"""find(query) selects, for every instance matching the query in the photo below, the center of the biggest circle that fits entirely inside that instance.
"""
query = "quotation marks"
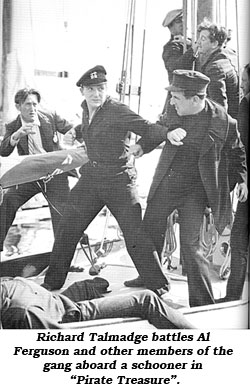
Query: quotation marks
(174, 377)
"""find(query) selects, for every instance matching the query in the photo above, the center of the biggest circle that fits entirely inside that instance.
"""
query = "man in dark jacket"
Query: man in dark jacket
(109, 178)
(26, 305)
(33, 132)
(192, 174)
(210, 56)
(174, 48)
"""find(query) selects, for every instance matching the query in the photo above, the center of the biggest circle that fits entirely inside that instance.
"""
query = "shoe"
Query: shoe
(137, 282)
(74, 268)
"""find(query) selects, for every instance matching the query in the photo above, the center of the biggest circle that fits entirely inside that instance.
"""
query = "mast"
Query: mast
(206, 9)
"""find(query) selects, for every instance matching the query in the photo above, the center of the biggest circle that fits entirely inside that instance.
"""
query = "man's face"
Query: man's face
(183, 105)
(95, 95)
(245, 85)
(204, 43)
(28, 109)
(177, 27)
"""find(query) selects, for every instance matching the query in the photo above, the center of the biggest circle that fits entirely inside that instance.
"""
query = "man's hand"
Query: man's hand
(176, 136)
(135, 150)
(22, 132)
(70, 137)
(242, 192)
(180, 38)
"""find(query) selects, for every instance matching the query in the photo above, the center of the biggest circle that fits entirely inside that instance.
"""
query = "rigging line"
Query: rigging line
(142, 56)
(225, 11)
(125, 45)
(132, 50)
(43, 191)
(237, 37)
(185, 24)
(193, 24)
(127, 51)
(194, 19)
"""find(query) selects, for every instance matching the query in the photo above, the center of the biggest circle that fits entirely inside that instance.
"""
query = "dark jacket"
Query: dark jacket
(107, 135)
(220, 145)
(171, 55)
(50, 124)
(224, 82)
(243, 120)
(243, 125)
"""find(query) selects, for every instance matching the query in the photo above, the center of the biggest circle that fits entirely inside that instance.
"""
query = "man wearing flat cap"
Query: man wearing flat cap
(192, 174)
(109, 178)
(174, 48)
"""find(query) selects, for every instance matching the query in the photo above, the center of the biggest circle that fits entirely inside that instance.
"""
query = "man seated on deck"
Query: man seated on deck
(25, 304)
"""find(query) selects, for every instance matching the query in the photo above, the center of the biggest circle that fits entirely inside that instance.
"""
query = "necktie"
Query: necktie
(31, 145)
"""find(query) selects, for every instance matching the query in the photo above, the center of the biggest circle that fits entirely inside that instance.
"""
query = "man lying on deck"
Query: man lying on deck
(25, 304)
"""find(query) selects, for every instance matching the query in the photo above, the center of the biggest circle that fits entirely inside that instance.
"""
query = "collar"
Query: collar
(211, 55)
(85, 106)
(36, 121)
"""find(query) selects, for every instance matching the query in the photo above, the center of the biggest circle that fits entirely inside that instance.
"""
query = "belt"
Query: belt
(98, 164)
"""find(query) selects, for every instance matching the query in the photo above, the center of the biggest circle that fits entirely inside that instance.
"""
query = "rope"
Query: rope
(170, 243)
(208, 234)
(142, 55)
(127, 42)
(131, 50)
(47, 198)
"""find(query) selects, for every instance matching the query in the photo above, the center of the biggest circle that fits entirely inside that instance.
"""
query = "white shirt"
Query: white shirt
(36, 137)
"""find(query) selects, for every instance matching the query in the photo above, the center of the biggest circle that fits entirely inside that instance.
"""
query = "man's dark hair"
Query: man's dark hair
(247, 68)
(216, 33)
(22, 95)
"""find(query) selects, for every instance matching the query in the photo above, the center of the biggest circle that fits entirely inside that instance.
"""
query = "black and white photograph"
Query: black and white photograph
(124, 227)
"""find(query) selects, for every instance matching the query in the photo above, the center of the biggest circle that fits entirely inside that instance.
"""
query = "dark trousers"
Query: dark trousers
(191, 201)
(239, 252)
(57, 191)
(87, 198)
(145, 304)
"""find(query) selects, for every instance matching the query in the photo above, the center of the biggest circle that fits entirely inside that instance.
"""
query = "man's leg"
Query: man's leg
(14, 198)
(144, 304)
(127, 210)
(196, 265)
(57, 191)
(239, 252)
(83, 205)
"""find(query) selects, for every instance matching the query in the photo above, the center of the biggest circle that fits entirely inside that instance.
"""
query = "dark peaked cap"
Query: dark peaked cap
(171, 16)
(93, 76)
(189, 80)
